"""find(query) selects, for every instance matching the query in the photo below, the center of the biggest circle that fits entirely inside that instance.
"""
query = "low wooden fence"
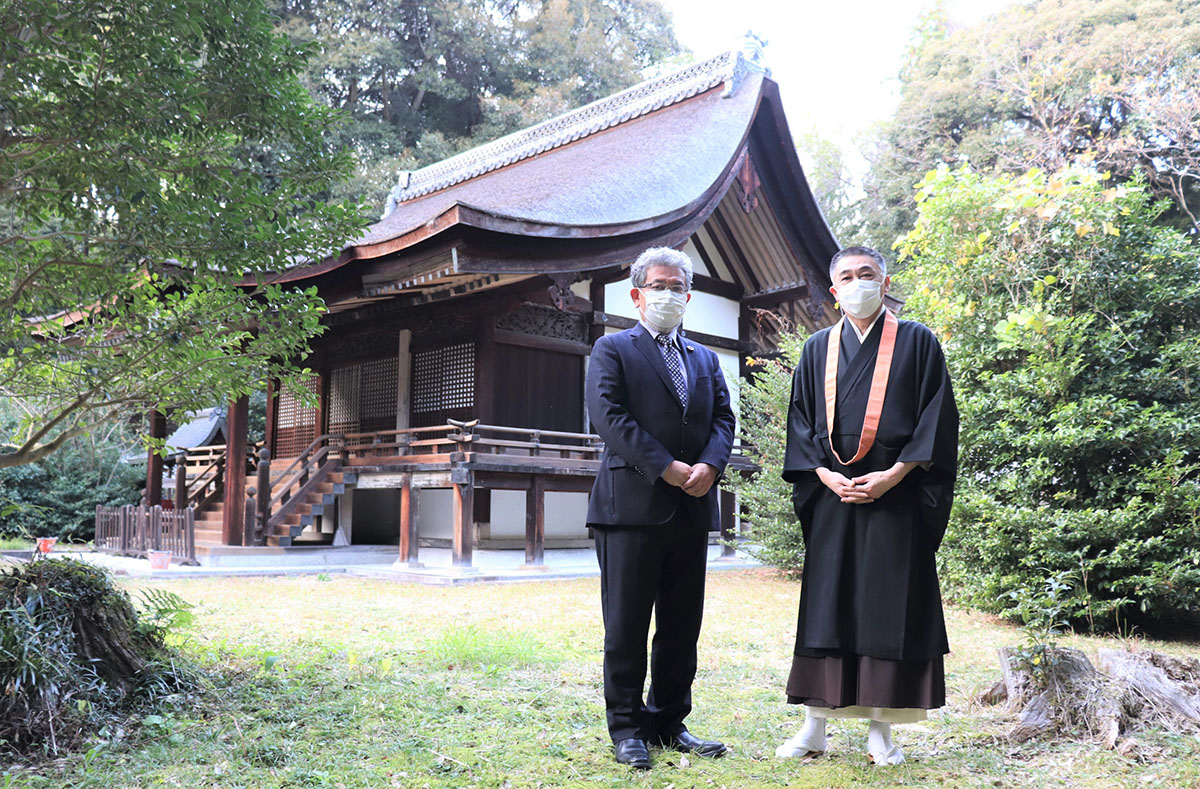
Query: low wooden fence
(133, 531)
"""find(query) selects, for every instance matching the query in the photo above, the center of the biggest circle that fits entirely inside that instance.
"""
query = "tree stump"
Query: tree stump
(1131, 691)
(1168, 687)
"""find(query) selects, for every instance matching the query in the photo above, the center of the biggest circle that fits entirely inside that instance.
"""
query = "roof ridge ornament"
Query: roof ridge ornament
(745, 58)
(729, 68)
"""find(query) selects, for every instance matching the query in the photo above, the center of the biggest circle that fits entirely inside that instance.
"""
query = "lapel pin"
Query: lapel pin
(690, 348)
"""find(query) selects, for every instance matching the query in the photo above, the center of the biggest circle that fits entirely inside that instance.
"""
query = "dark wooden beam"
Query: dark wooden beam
(541, 343)
(409, 538)
(535, 523)
(717, 287)
(272, 417)
(154, 461)
(320, 359)
(727, 503)
(736, 249)
(704, 255)
(234, 515)
(485, 369)
(772, 297)
(596, 331)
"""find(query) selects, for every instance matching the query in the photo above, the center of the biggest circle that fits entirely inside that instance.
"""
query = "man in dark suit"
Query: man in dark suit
(661, 405)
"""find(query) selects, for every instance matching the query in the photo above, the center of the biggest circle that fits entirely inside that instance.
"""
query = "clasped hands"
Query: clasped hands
(864, 489)
(695, 480)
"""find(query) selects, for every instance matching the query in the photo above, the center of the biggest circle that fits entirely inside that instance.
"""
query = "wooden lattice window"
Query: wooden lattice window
(443, 384)
(296, 423)
(362, 397)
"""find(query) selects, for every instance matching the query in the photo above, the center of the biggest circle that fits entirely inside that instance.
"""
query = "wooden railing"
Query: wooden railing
(134, 530)
(200, 475)
(426, 444)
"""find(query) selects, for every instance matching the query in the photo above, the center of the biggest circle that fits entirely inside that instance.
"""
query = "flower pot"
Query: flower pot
(159, 560)
(45, 544)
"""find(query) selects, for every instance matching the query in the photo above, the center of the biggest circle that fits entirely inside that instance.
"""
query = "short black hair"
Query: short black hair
(855, 252)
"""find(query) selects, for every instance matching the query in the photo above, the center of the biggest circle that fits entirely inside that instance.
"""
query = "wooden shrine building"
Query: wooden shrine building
(449, 389)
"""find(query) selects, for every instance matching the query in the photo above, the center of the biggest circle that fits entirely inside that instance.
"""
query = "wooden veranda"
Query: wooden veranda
(465, 457)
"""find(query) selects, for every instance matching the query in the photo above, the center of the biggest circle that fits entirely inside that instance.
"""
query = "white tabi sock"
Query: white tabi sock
(810, 739)
(880, 746)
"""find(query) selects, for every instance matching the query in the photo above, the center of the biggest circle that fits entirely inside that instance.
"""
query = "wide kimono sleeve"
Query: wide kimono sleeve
(934, 442)
(806, 431)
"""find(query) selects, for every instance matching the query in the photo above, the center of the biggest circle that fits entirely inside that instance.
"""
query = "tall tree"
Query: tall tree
(1042, 85)
(422, 81)
(153, 155)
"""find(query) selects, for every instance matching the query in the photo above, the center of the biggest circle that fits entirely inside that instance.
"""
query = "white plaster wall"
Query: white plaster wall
(583, 288)
(712, 315)
(435, 512)
(731, 366)
(698, 266)
(566, 514)
(617, 301)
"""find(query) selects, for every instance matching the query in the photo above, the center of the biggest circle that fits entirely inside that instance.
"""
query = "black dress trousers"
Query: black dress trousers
(643, 569)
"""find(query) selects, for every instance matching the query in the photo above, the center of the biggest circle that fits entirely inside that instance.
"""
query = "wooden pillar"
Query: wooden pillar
(404, 380)
(181, 483)
(263, 486)
(483, 514)
(596, 291)
(535, 524)
(233, 523)
(485, 370)
(464, 522)
(728, 507)
(272, 414)
(322, 414)
(409, 534)
(154, 461)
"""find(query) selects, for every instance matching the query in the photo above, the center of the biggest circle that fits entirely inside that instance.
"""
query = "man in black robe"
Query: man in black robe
(873, 494)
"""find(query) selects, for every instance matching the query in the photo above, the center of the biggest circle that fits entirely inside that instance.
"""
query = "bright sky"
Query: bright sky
(836, 61)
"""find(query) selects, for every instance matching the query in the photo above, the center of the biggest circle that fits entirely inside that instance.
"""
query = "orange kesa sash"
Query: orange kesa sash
(879, 381)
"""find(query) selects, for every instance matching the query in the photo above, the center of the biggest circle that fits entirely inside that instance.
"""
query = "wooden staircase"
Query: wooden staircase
(311, 505)
(299, 512)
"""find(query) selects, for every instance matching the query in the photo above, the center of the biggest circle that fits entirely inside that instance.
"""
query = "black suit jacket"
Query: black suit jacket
(635, 409)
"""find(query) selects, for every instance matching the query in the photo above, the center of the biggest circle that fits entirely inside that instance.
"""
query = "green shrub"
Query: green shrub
(1071, 325)
(765, 499)
(57, 496)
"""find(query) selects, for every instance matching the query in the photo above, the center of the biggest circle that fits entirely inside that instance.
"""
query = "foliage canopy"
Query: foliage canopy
(1071, 324)
(150, 155)
(419, 82)
(1046, 84)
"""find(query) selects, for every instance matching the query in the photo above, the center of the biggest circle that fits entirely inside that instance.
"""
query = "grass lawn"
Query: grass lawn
(344, 682)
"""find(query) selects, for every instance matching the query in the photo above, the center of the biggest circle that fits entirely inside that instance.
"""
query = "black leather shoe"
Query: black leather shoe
(689, 743)
(634, 753)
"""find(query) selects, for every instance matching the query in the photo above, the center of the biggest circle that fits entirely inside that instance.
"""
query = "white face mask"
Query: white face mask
(860, 298)
(664, 309)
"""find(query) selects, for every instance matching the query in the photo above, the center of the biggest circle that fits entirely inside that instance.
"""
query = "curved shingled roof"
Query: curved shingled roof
(641, 165)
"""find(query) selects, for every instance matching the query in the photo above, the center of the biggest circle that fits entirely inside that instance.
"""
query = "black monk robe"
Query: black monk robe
(870, 587)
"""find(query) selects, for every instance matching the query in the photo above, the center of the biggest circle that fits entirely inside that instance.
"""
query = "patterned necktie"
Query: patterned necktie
(674, 365)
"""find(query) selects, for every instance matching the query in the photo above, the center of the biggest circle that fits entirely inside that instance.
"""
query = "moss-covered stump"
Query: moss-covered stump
(72, 650)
